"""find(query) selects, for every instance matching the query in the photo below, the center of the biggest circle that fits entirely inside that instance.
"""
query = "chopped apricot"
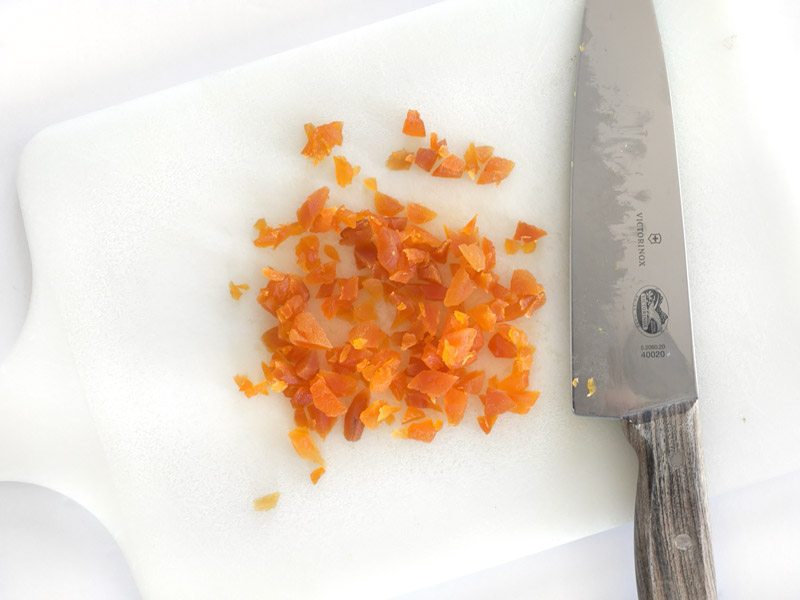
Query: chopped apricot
(319, 421)
(308, 365)
(348, 289)
(417, 399)
(455, 348)
(495, 170)
(307, 252)
(366, 335)
(248, 388)
(364, 311)
(471, 382)
(331, 252)
(430, 314)
(373, 287)
(321, 274)
(400, 160)
(425, 158)
(460, 288)
(324, 399)
(517, 381)
(342, 385)
(371, 184)
(307, 333)
(312, 207)
(386, 411)
(474, 157)
(512, 246)
(474, 256)
(236, 289)
(369, 416)
(432, 383)
(305, 446)
(487, 423)
(300, 417)
(398, 386)
(316, 474)
(489, 253)
(526, 232)
(386, 205)
(455, 404)
(415, 256)
(413, 125)
(422, 431)
(387, 242)
(501, 347)
(523, 401)
(419, 214)
(353, 426)
(523, 283)
(438, 145)
(412, 414)
(267, 502)
(321, 140)
(496, 402)
(452, 166)
(432, 358)
(380, 370)
(408, 340)
(344, 171)
(471, 161)
(484, 153)
(484, 316)
(272, 237)
(324, 221)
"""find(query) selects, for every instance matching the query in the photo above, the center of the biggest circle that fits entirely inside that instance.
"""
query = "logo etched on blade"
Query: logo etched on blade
(650, 311)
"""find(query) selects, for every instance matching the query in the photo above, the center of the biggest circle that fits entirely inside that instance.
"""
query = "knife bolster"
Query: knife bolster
(671, 532)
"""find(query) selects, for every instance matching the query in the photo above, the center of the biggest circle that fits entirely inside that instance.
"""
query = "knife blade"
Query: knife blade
(632, 349)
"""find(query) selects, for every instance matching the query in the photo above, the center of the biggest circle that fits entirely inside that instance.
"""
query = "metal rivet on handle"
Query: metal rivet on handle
(676, 460)
(683, 541)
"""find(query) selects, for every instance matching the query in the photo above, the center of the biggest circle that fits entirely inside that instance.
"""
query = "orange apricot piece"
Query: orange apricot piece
(413, 125)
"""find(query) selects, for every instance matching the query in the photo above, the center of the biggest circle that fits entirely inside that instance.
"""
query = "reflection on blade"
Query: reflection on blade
(631, 329)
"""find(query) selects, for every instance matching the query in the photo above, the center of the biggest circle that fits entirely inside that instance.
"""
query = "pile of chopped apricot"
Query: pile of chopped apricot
(478, 162)
(420, 309)
(447, 306)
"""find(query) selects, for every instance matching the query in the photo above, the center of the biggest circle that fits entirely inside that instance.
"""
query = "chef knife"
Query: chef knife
(632, 355)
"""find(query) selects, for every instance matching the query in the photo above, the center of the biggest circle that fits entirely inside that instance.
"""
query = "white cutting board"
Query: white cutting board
(119, 393)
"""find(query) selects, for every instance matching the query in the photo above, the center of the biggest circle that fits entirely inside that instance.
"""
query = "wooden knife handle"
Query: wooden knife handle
(673, 545)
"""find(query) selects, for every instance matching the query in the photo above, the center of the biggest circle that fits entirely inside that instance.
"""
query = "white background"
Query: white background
(63, 59)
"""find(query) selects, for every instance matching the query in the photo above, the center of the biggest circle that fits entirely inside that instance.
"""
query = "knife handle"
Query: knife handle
(672, 541)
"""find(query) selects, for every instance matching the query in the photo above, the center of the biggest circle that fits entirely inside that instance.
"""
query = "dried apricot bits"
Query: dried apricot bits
(475, 158)
(344, 171)
(237, 289)
(528, 233)
(419, 214)
(446, 304)
(452, 166)
(413, 125)
(304, 445)
(423, 431)
(478, 162)
(321, 140)
(267, 502)
(316, 474)
(495, 170)
(400, 160)
(525, 237)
